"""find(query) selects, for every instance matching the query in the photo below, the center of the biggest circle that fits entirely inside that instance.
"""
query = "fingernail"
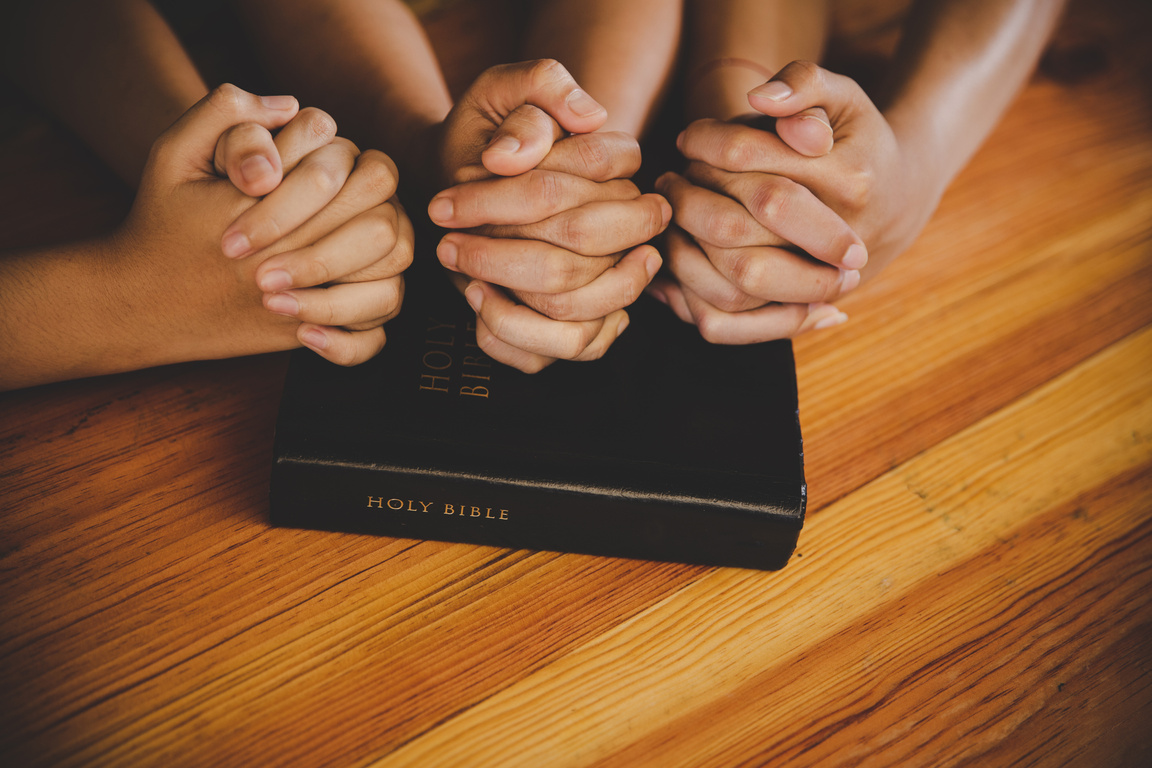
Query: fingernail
(441, 209)
(680, 140)
(475, 296)
(855, 257)
(849, 279)
(236, 245)
(275, 281)
(665, 212)
(278, 102)
(314, 338)
(838, 319)
(652, 264)
(620, 328)
(506, 144)
(828, 316)
(447, 253)
(256, 168)
(583, 104)
(657, 294)
(282, 304)
(818, 119)
(774, 91)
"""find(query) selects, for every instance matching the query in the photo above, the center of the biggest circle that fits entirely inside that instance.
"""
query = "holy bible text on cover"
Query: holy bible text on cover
(668, 448)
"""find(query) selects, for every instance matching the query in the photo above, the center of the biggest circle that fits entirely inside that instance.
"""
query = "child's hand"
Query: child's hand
(332, 221)
(554, 222)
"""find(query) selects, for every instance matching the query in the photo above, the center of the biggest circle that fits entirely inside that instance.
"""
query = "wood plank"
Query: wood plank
(1044, 243)
(1065, 441)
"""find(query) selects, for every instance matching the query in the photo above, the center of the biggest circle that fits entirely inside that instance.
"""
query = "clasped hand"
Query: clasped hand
(548, 230)
(775, 225)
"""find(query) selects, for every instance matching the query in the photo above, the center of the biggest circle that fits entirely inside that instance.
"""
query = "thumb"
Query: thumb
(808, 132)
(545, 84)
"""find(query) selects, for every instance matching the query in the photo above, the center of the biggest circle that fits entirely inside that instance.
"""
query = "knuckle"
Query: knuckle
(856, 185)
(736, 152)
(227, 98)
(317, 271)
(556, 306)
(711, 327)
(561, 277)
(546, 188)
(379, 171)
(770, 202)
(746, 270)
(319, 123)
(547, 71)
(325, 179)
(573, 235)
(573, 339)
(727, 228)
(594, 160)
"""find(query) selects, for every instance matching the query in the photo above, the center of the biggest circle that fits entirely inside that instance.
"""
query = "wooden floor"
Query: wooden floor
(973, 586)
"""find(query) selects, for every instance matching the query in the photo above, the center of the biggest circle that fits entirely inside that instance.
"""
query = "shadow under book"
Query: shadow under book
(668, 448)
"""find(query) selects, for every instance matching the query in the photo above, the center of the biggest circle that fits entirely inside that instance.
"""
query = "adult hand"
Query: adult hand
(551, 223)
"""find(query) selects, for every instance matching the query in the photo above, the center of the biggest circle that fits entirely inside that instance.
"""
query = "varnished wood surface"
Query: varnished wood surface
(972, 586)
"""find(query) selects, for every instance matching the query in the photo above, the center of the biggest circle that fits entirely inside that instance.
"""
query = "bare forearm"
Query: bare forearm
(59, 318)
(622, 53)
(738, 44)
(112, 71)
(368, 64)
(960, 64)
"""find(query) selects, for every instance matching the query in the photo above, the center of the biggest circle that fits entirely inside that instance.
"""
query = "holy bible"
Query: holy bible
(668, 448)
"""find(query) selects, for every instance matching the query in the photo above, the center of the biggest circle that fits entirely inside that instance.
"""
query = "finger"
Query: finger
(766, 323)
(311, 129)
(802, 85)
(692, 268)
(807, 132)
(189, 146)
(524, 328)
(545, 84)
(368, 240)
(595, 156)
(521, 141)
(313, 184)
(616, 288)
(790, 211)
(502, 352)
(740, 148)
(713, 217)
(596, 229)
(373, 183)
(246, 154)
(670, 292)
(520, 265)
(355, 306)
(522, 199)
(340, 346)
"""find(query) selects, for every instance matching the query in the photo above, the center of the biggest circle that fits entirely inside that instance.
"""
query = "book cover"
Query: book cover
(668, 448)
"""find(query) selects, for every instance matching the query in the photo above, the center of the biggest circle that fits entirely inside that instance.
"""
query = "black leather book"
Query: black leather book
(668, 448)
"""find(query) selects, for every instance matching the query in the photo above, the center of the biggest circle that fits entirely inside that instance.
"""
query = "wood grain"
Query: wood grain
(972, 587)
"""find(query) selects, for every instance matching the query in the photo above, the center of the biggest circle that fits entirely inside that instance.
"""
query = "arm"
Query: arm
(623, 53)
(112, 71)
(370, 64)
(738, 44)
(959, 67)
(159, 291)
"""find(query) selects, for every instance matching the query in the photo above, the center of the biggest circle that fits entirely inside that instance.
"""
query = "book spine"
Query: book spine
(406, 504)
